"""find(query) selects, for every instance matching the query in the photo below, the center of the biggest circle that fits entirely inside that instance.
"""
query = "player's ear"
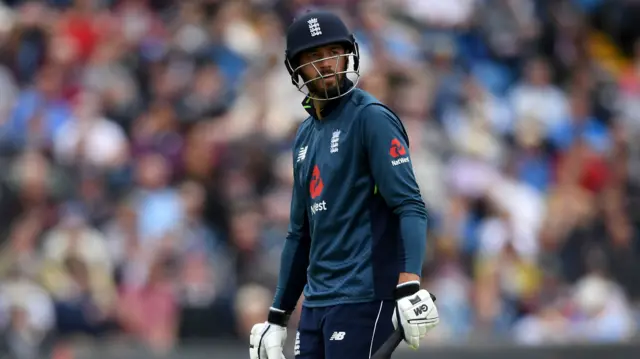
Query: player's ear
(355, 50)
(345, 57)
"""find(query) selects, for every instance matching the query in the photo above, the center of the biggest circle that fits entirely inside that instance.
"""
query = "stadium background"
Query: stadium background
(145, 170)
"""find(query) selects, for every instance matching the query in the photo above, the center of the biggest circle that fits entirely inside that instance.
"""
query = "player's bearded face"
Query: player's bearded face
(323, 67)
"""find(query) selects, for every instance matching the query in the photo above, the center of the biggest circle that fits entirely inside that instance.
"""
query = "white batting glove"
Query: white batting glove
(267, 339)
(415, 311)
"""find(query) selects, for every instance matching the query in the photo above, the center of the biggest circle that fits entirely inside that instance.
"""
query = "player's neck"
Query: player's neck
(318, 105)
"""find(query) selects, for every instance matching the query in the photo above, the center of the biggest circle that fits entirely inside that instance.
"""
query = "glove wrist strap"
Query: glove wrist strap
(278, 317)
(406, 289)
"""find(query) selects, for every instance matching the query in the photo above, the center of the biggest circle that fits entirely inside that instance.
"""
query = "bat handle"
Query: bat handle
(389, 345)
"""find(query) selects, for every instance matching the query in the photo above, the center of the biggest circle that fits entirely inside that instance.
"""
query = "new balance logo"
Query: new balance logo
(314, 27)
(421, 309)
(302, 154)
(337, 336)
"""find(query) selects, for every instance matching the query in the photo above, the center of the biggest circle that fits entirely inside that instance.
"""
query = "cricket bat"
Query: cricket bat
(389, 346)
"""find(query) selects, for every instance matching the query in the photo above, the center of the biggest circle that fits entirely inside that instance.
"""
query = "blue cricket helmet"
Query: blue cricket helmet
(315, 29)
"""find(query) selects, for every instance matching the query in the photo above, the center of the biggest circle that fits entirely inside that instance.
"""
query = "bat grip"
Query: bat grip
(389, 345)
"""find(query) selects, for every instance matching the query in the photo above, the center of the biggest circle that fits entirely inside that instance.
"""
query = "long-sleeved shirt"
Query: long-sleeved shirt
(357, 217)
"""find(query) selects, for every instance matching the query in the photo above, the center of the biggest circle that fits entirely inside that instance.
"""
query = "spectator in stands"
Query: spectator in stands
(149, 312)
(27, 315)
(78, 272)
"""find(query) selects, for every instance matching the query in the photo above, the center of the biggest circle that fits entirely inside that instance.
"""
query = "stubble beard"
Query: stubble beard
(317, 89)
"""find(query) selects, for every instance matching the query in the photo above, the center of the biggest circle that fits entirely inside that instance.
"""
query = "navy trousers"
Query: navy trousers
(347, 331)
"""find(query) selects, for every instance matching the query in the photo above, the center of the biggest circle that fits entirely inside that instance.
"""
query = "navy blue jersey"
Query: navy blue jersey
(357, 217)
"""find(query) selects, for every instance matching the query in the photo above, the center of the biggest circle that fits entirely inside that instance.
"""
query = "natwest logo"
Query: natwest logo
(318, 207)
(315, 189)
(316, 186)
(400, 161)
(398, 150)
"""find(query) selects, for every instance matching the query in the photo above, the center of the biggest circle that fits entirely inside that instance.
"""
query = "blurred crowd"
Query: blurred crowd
(145, 148)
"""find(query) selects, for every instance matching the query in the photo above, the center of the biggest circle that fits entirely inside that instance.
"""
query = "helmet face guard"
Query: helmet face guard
(346, 68)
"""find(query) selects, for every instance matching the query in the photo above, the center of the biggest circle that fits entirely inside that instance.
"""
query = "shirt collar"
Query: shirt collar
(307, 103)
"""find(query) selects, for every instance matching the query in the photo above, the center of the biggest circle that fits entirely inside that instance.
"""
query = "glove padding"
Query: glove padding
(267, 341)
(415, 311)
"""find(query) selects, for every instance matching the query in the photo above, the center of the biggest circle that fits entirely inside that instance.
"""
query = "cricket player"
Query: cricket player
(358, 226)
